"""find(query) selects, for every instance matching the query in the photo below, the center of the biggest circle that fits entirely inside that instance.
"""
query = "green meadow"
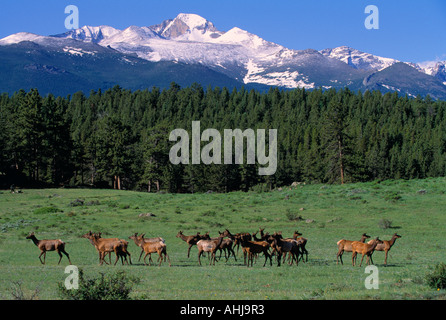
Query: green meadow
(324, 214)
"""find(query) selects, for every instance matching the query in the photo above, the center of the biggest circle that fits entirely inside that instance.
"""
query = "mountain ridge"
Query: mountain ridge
(244, 57)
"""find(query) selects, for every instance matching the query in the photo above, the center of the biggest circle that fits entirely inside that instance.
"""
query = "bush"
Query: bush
(437, 278)
(107, 287)
(293, 216)
(385, 224)
(77, 203)
(393, 197)
(47, 210)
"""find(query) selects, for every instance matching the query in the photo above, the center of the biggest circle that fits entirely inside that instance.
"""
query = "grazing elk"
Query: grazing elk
(251, 248)
(366, 249)
(106, 246)
(237, 237)
(226, 246)
(190, 240)
(346, 245)
(49, 245)
(284, 246)
(152, 247)
(386, 245)
(156, 239)
(303, 242)
(209, 246)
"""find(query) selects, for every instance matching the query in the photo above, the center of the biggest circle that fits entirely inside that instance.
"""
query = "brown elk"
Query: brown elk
(152, 247)
(386, 245)
(156, 239)
(251, 248)
(226, 246)
(49, 245)
(237, 237)
(346, 246)
(209, 246)
(122, 251)
(303, 242)
(284, 246)
(105, 246)
(366, 249)
(190, 240)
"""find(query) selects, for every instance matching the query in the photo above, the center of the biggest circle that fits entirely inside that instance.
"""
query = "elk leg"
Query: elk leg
(160, 258)
(145, 263)
(338, 256)
(60, 256)
(361, 260)
(41, 253)
(128, 254)
(66, 253)
(188, 250)
(117, 257)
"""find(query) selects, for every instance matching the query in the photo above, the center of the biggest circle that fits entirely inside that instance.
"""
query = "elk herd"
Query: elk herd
(284, 250)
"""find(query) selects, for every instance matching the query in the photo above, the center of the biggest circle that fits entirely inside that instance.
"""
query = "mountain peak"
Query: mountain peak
(187, 26)
(358, 59)
(19, 37)
(192, 20)
(89, 33)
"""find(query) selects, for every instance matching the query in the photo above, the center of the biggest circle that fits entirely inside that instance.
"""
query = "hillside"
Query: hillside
(330, 213)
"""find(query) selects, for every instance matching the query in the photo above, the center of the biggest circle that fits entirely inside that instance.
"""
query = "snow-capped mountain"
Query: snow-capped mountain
(358, 59)
(188, 38)
(436, 69)
(237, 54)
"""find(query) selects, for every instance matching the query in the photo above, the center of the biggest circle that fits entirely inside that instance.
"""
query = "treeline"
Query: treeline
(120, 139)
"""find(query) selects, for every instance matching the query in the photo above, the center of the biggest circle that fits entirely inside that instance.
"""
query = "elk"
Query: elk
(237, 237)
(122, 251)
(152, 247)
(366, 249)
(284, 246)
(303, 243)
(104, 246)
(190, 240)
(156, 239)
(346, 245)
(209, 246)
(49, 245)
(386, 245)
(89, 236)
(251, 248)
(226, 246)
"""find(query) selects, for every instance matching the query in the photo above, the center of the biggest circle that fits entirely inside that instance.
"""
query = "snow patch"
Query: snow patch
(77, 51)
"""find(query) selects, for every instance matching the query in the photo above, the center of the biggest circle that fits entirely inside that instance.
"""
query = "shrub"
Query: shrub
(385, 224)
(437, 278)
(117, 286)
(47, 210)
(77, 203)
(293, 216)
(393, 197)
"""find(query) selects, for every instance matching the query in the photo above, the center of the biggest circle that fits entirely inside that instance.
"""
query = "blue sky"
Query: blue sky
(409, 30)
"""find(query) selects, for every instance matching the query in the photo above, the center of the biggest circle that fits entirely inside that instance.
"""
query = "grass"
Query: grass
(322, 213)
